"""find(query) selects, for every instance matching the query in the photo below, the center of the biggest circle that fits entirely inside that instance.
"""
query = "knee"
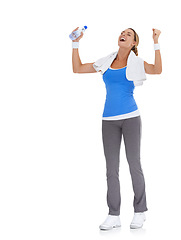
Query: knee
(136, 169)
(112, 174)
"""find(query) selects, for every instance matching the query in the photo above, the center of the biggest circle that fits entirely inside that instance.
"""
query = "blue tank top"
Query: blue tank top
(119, 96)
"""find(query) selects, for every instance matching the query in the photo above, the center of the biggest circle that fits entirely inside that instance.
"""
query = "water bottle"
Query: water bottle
(74, 35)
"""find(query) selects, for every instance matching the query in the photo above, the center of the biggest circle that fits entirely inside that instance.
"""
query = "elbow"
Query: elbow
(75, 71)
(158, 71)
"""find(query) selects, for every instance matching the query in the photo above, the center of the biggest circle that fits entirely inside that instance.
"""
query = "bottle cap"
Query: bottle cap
(85, 27)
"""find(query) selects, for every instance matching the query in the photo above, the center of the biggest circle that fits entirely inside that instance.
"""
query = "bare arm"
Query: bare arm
(77, 65)
(155, 68)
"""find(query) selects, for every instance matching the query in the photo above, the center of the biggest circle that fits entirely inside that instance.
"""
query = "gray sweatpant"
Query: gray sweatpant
(112, 131)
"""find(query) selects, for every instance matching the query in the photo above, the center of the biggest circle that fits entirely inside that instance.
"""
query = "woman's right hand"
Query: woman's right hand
(77, 40)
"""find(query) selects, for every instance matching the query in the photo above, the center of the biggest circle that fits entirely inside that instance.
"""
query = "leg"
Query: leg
(111, 136)
(132, 139)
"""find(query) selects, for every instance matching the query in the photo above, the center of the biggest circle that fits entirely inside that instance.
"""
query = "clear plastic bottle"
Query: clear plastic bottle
(74, 35)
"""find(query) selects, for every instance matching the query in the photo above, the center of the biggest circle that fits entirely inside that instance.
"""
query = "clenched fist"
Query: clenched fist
(156, 34)
(77, 39)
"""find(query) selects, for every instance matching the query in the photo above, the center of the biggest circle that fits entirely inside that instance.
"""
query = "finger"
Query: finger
(78, 38)
(75, 29)
(81, 35)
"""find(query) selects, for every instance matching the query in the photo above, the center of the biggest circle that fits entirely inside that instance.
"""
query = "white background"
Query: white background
(52, 166)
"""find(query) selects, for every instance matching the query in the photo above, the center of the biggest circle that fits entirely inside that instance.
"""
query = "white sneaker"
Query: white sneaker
(138, 220)
(110, 223)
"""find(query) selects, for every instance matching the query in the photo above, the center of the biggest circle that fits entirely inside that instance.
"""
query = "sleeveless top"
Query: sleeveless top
(119, 103)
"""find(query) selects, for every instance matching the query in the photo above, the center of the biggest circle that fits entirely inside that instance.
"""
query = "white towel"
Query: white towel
(135, 67)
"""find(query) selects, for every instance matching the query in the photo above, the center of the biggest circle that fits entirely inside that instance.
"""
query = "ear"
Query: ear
(134, 43)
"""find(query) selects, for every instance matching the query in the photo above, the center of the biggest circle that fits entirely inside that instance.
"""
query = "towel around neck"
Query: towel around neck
(135, 67)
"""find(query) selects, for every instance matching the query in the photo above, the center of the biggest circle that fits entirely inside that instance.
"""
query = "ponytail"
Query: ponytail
(136, 39)
(135, 50)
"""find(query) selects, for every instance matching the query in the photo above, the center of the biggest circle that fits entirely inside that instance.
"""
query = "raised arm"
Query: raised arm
(155, 68)
(77, 65)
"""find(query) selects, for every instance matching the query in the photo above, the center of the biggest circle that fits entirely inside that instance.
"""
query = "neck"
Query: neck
(122, 54)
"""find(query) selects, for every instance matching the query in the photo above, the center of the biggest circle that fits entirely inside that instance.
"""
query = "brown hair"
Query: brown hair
(136, 39)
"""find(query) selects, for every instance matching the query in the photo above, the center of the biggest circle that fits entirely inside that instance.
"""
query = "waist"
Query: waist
(114, 106)
(123, 116)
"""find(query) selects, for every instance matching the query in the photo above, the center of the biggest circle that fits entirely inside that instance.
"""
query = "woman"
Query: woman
(121, 72)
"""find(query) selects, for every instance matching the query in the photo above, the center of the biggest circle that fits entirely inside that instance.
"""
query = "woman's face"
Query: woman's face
(126, 39)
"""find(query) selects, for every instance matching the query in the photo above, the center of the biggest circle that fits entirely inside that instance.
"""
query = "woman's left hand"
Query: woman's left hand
(156, 34)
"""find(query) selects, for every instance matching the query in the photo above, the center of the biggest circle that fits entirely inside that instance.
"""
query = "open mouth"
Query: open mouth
(122, 39)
